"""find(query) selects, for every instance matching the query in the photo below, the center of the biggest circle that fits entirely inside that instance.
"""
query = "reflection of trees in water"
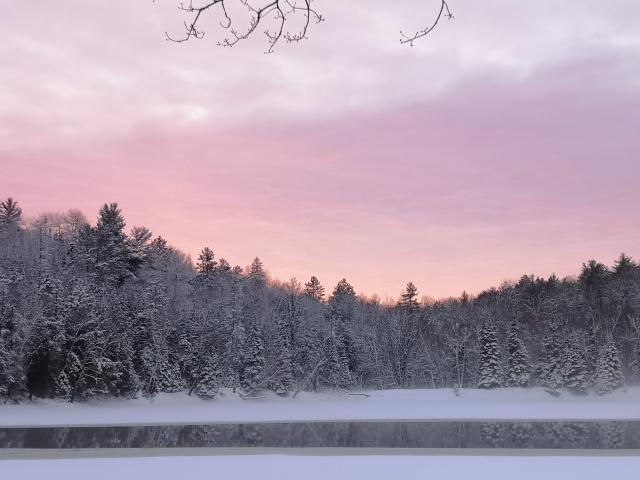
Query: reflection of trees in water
(520, 435)
(492, 434)
(611, 434)
(339, 434)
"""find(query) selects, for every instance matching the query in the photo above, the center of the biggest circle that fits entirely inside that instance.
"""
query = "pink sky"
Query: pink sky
(506, 143)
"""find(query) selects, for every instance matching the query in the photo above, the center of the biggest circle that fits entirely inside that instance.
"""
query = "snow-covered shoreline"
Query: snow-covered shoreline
(385, 405)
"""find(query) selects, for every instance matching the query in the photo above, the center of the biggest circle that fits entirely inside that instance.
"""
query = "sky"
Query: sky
(505, 143)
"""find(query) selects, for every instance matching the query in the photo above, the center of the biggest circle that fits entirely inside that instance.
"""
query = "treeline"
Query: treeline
(91, 311)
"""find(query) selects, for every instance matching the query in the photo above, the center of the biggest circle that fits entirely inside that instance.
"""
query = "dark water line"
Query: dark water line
(364, 435)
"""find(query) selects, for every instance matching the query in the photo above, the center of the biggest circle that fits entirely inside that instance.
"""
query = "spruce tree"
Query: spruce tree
(491, 375)
(251, 375)
(518, 366)
(608, 370)
(574, 368)
(208, 379)
(314, 289)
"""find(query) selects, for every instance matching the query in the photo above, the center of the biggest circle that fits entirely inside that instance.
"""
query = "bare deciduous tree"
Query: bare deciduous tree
(287, 20)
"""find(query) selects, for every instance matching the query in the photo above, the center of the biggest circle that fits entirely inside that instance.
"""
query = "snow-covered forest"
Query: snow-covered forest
(97, 309)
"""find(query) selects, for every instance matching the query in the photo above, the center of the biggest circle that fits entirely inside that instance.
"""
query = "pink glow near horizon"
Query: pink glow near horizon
(505, 144)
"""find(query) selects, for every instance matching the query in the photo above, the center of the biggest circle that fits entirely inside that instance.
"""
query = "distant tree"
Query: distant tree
(252, 372)
(112, 251)
(409, 298)
(574, 368)
(491, 375)
(314, 289)
(10, 214)
(608, 370)
(208, 383)
(518, 366)
(206, 263)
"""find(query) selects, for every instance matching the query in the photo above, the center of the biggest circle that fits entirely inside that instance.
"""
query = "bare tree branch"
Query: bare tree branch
(281, 13)
(410, 39)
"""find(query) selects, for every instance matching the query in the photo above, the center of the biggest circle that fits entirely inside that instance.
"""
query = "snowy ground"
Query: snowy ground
(280, 467)
(525, 404)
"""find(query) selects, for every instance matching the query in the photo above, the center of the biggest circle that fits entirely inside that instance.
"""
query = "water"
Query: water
(445, 434)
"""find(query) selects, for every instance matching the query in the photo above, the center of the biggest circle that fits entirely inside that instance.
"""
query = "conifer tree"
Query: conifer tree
(251, 375)
(112, 251)
(206, 263)
(208, 379)
(608, 370)
(550, 370)
(314, 289)
(491, 375)
(574, 368)
(10, 213)
(282, 381)
(518, 367)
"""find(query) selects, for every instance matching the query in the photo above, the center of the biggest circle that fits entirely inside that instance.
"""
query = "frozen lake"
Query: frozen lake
(389, 434)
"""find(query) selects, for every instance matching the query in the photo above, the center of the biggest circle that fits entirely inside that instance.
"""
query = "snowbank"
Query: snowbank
(524, 404)
(321, 468)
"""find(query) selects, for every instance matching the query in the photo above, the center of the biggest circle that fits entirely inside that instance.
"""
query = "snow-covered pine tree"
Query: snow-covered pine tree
(282, 380)
(251, 374)
(574, 366)
(491, 375)
(518, 366)
(550, 369)
(113, 255)
(608, 370)
(209, 379)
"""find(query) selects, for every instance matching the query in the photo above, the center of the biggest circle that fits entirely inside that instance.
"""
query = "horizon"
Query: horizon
(503, 145)
(385, 299)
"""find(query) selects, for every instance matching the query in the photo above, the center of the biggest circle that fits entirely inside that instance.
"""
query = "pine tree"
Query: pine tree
(251, 375)
(609, 369)
(409, 298)
(209, 379)
(206, 263)
(282, 381)
(574, 367)
(491, 375)
(550, 370)
(518, 367)
(314, 289)
(112, 250)
(10, 213)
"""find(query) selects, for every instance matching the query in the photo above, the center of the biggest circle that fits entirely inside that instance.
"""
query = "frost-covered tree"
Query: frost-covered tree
(208, 383)
(252, 368)
(518, 366)
(608, 370)
(490, 371)
(574, 368)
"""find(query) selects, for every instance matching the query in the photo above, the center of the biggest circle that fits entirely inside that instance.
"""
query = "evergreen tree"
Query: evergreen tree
(112, 251)
(609, 369)
(550, 370)
(10, 214)
(208, 379)
(574, 368)
(409, 298)
(491, 375)
(282, 381)
(314, 289)
(518, 367)
(251, 375)
(206, 263)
